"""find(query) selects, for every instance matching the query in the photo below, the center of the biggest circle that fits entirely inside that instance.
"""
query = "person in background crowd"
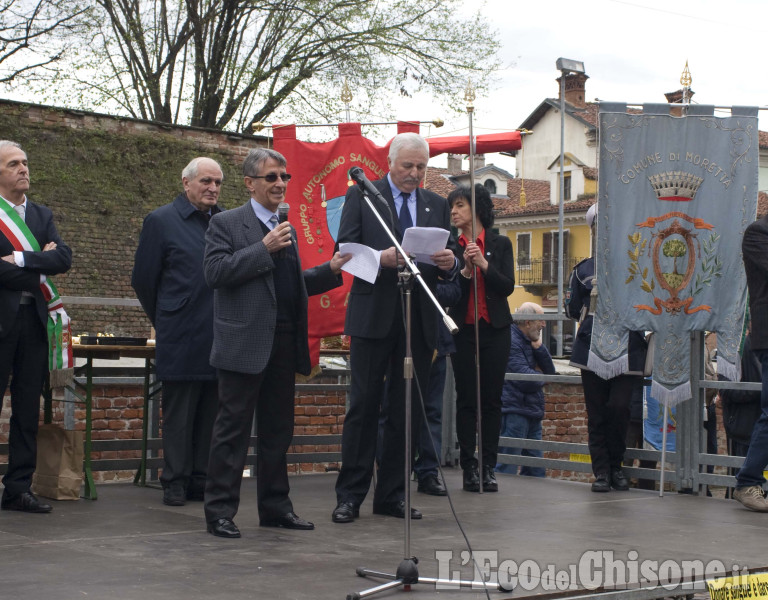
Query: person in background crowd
(168, 281)
(607, 400)
(522, 402)
(489, 257)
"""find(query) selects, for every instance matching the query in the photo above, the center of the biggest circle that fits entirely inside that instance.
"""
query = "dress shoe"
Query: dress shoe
(396, 509)
(288, 521)
(601, 483)
(471, 479)
(25, 502)
(224, 527)
(619, 480)
(345, 512)
(432, 485)
(174, 495)
(489, 479)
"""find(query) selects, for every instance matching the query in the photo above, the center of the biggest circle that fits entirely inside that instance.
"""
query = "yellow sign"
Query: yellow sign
(585, 458)
(742, 587)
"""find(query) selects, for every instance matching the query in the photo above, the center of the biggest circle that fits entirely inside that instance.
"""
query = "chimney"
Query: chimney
(575, 84)
(454, 164)
(479, 161)
(677, 97)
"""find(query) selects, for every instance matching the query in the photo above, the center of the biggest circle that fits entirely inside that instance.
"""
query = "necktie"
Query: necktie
(273, 222)
(405, 214)
(20, 209)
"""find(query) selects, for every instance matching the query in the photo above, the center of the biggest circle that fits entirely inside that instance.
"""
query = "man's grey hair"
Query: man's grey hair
(190, 171)
(256, 159)
(527, 309)
(9, 143)
(411, 141)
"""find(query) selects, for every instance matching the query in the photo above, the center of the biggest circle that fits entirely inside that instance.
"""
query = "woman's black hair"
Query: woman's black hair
(483, 202)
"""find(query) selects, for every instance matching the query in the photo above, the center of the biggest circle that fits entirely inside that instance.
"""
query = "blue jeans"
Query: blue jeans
(520, 426)
(751, 473)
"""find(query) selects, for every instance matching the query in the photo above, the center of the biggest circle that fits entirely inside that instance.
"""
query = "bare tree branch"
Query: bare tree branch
(225, 63)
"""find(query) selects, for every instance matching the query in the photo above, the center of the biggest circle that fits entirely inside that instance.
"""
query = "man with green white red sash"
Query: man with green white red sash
(34, 329)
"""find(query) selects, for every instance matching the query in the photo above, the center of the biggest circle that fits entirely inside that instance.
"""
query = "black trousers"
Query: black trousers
(635, 439)
(494, 353)
(607, 402)
(189, 410)
(270, 395)
(23, 355)
(372, 360)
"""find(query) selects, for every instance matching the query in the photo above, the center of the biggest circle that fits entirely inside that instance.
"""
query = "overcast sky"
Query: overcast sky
(633, 51)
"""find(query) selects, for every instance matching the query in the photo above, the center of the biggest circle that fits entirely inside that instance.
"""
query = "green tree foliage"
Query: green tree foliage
(227, 64)
(28, 29)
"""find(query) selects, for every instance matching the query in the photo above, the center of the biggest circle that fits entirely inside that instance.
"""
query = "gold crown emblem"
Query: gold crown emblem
(675, 185)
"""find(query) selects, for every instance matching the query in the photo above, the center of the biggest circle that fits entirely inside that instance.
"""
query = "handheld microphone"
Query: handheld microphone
(358, 176)
(282, 212)
(282, 217)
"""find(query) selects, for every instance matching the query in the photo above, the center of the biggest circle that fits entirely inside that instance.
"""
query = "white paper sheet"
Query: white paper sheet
(423, 242)
(364, 262)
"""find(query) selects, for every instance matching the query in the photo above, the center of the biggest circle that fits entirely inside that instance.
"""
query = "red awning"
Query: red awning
(484, 144)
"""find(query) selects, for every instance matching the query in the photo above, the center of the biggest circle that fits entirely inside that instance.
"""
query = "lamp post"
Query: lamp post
(565, 66)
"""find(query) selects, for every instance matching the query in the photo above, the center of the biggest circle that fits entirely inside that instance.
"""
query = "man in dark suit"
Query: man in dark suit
(30, 247)
(259, 344)
(169, 283)
(754, 250)
(375, 323)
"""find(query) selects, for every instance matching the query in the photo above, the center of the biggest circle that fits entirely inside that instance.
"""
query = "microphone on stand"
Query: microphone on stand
(282, 217)
(358, 176)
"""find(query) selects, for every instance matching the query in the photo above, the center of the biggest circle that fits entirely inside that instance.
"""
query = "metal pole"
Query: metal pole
(470, 95)
(560, 219)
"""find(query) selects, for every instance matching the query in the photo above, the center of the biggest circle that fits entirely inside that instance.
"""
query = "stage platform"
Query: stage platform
(128, 546)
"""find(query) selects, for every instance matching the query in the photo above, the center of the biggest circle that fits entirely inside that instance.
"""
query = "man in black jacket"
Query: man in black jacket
(754, 250)
(169, 283)
(30, 248)
(375, 323)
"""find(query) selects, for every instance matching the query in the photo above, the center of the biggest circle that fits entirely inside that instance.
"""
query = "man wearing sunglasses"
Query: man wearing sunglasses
(259, 343)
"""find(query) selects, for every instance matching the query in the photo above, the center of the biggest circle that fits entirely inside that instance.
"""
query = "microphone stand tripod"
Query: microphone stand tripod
(407, 573)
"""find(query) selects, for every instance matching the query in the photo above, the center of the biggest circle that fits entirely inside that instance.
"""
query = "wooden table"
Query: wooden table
(107, 352)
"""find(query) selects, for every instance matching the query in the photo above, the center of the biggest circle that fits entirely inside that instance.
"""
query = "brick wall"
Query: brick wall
(101, 176)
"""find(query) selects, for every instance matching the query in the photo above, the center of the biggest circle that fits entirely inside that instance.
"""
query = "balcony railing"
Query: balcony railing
(541, 271)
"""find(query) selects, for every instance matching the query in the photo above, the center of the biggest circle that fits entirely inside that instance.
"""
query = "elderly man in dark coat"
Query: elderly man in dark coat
(169, 283)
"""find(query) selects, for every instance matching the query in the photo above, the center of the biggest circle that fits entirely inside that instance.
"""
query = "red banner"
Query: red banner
(316, 196)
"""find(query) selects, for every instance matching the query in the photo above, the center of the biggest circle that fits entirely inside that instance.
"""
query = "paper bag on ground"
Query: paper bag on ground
(59, 472)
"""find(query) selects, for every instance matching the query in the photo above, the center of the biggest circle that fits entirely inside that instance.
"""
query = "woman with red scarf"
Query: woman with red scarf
(489, 258)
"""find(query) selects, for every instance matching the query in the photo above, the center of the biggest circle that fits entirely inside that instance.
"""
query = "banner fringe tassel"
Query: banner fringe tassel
(671, 396)
(608, 369)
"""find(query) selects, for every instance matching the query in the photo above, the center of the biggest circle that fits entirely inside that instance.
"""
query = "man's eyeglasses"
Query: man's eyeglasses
(272, 177)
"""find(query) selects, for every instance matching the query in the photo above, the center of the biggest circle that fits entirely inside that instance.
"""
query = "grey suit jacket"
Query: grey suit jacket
(239, 269)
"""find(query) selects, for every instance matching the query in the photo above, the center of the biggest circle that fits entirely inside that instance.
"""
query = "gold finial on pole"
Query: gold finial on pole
(685, 78)
(438, 122)
(258, 126)
(346, 97)
(469, 96)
